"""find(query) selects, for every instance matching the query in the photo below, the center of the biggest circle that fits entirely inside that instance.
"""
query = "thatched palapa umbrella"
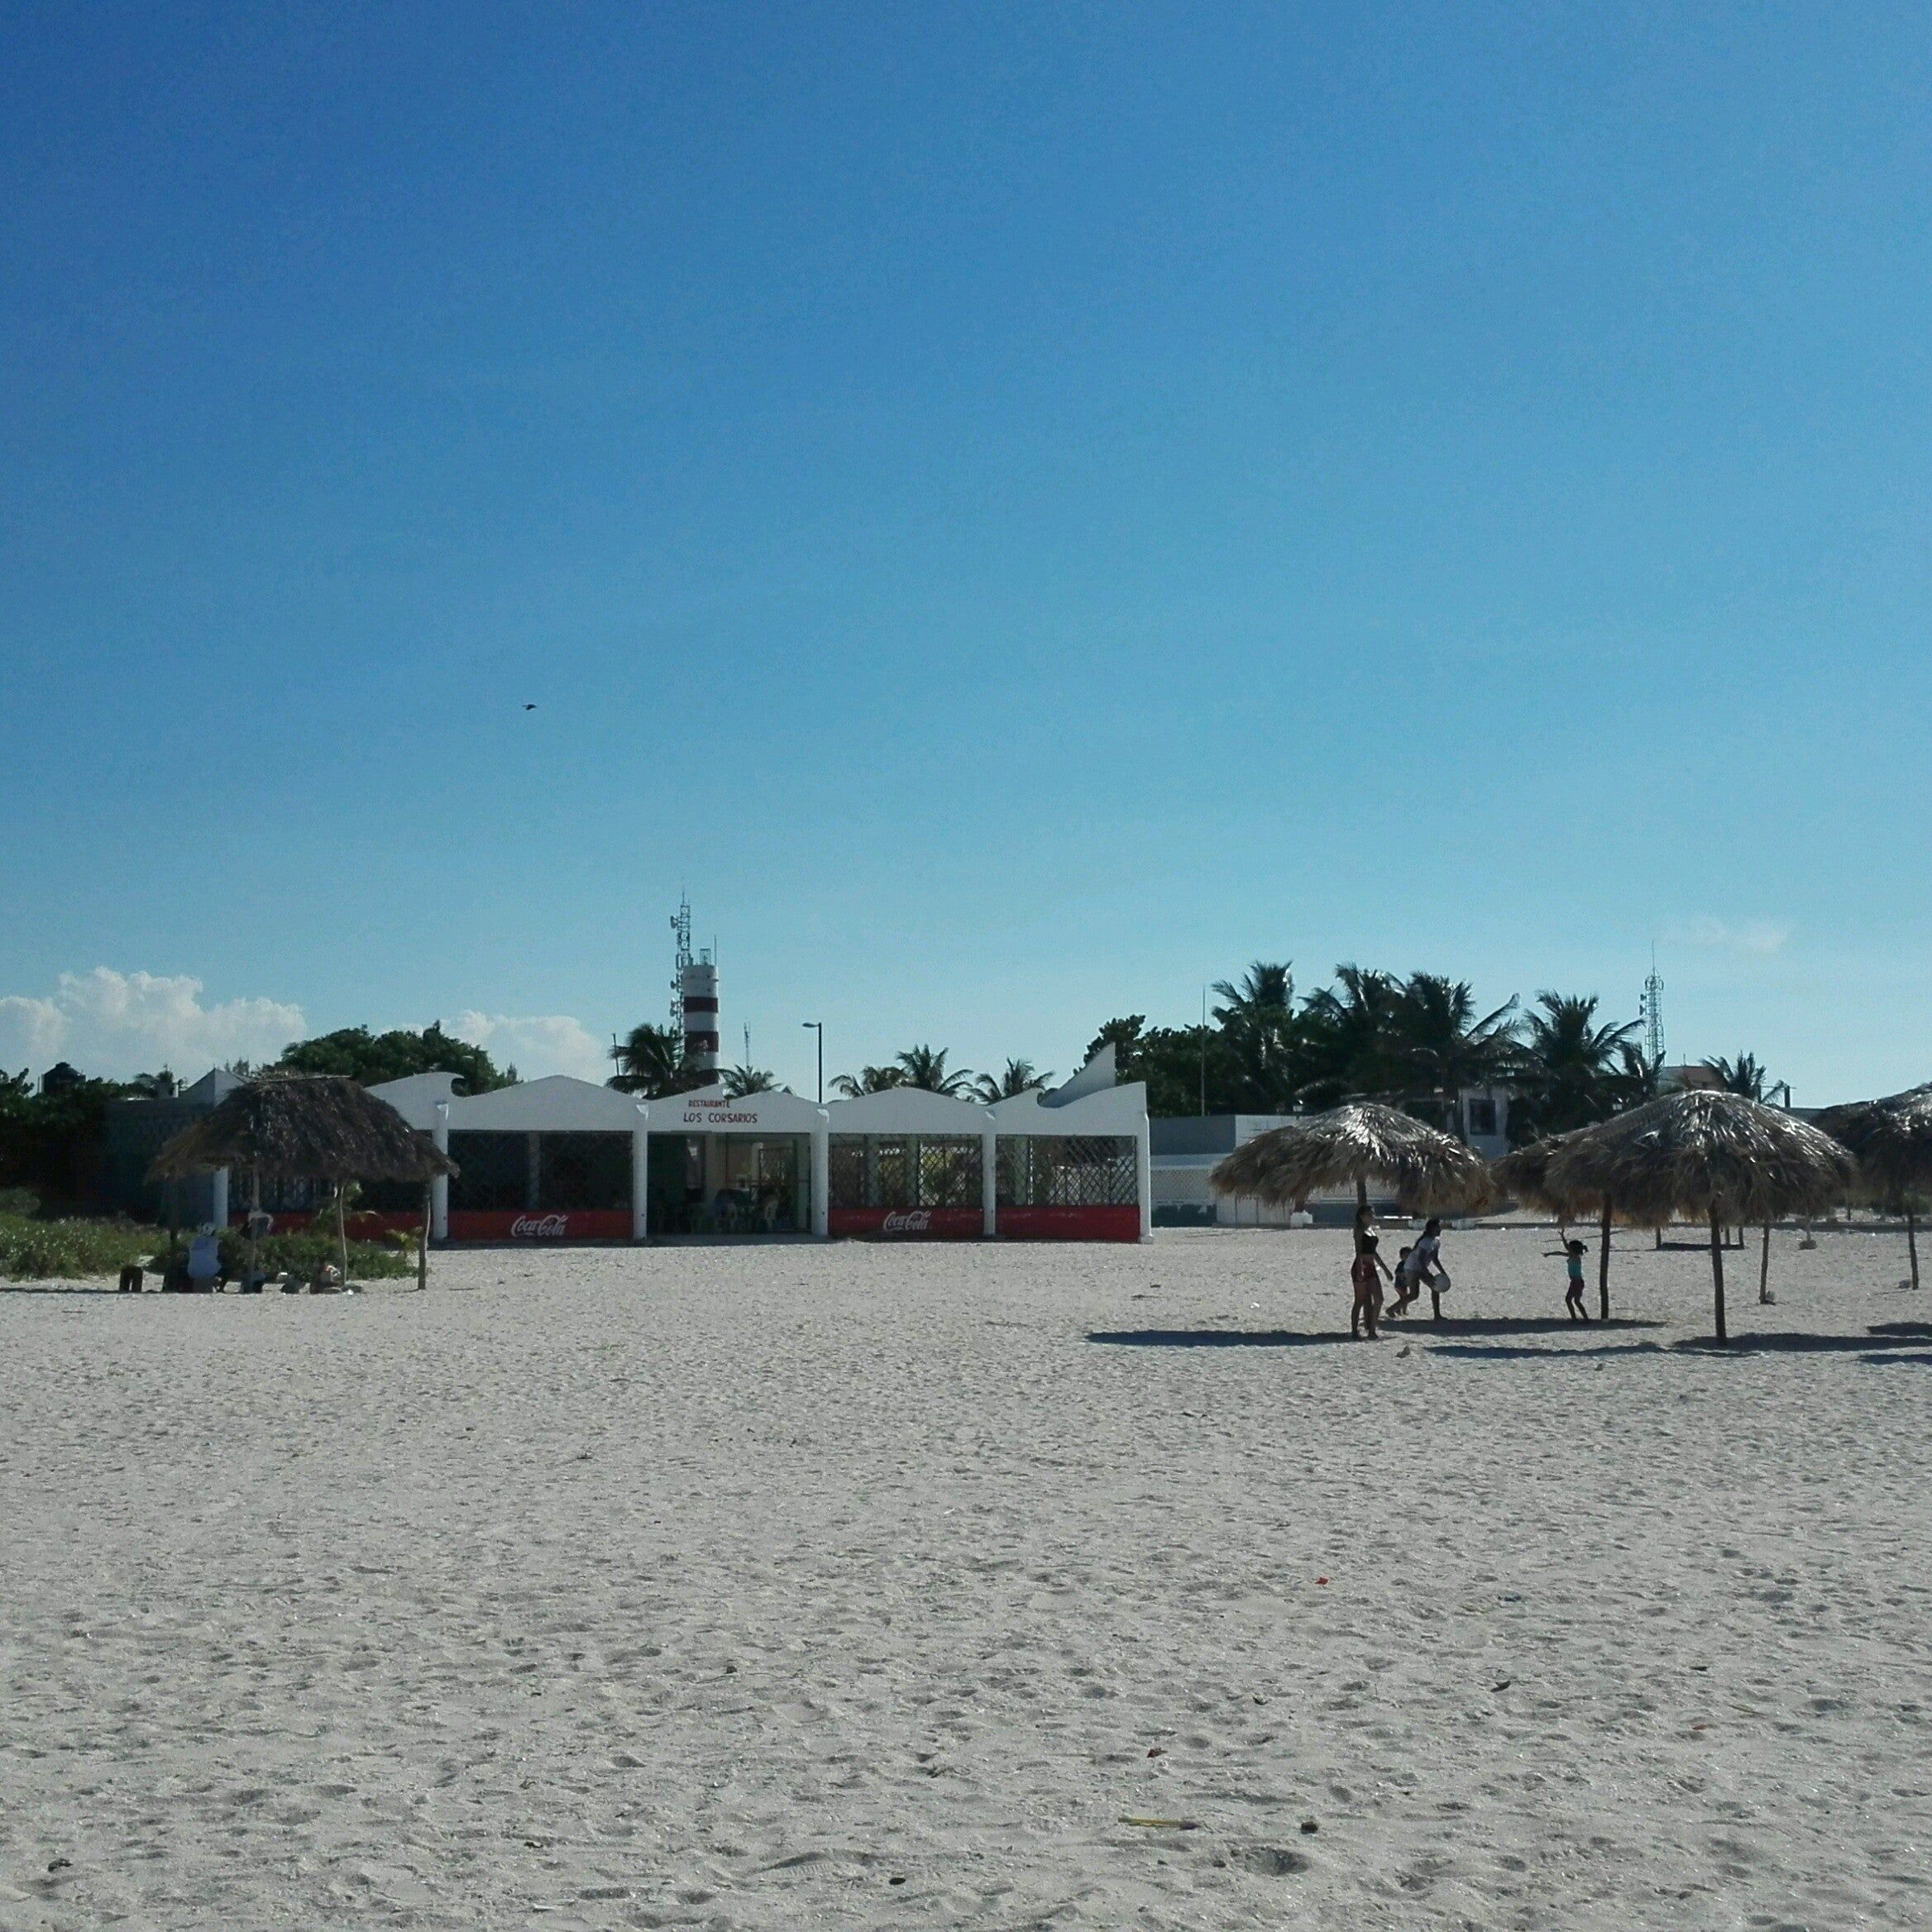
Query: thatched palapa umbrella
(1891, 1141)
(1707, 1156)
(1361, 1141)
(309, 1127)
(1523, 1173)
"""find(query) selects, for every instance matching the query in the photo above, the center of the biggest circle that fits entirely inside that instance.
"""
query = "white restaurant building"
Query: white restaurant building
(566, 1159)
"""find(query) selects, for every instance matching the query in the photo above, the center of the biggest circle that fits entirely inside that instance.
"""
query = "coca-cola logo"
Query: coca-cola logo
(527, 1227)
(907, 1220)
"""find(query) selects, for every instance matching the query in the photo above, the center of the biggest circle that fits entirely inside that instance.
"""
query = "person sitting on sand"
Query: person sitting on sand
(1426, 1259)
(204, 1260)
(1573, 1252)
(1365, 1274)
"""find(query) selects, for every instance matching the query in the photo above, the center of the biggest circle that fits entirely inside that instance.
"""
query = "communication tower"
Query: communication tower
(681, 927)
(1652, 1010)
(694, 998)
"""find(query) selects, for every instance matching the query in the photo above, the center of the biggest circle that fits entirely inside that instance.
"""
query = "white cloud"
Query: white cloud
(535, 1043)
(1761, 936)
(116, 1025)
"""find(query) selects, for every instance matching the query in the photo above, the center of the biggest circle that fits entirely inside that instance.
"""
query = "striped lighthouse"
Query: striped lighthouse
(697, 987)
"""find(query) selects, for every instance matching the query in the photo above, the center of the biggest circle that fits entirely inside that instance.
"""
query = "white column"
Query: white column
(640, 1175)
(989, 1180)
(1144, 1175)
(218, 1214)
(439, 1187)
(822, 1176)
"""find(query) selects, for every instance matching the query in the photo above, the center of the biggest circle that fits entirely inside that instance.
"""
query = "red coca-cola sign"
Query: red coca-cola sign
(908, 1224)
(574, 1224)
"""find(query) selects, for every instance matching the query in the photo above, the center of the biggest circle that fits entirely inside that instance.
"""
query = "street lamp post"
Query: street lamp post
(818, 1026)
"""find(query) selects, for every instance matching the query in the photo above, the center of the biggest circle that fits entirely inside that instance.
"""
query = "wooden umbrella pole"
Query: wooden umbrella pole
(1717, 1271)
(1603, 1268)
(422, 1241)
(341, 1236)
(1912, 1242)
(1764, 1267)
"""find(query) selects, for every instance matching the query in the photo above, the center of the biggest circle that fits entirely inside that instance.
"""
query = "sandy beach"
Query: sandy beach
(991, 1587)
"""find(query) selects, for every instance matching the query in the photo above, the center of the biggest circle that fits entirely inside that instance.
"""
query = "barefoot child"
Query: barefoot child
(1366, 1275)
(1573, 1252)
(1406, 1287)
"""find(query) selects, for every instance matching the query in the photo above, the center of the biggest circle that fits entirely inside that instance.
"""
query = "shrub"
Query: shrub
(84, 1250)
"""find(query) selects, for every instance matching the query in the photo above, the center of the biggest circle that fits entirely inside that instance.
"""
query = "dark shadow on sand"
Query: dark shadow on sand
(1867, 1347)
(1425, 1331)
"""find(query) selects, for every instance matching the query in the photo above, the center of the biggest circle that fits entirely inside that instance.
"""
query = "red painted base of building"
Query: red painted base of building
(1069, 1224)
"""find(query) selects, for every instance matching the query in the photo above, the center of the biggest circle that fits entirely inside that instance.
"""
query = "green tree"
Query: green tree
(650, 1061)
(1020, 1077)
(1264, 1035)
(1638, 1077)
(1179, 1064)
(50, 1140)
(373, 1058)
(925, 1067)
(740, 1083)
(868, 1080)
(1745, 1075)
(1568, 1069)
(1348, 1036)
(1439, 1044)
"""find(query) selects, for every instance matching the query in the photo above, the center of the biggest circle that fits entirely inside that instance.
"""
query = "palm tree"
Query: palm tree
(1745, 1075)
(1346, 1036)
(1637, 1077)
(1568, 1069)
(925, 1067)
(1440, 1046)
(742, 1082)
(1258, 1020)
(650, 1061)
(868, 1080)
(1021, 1076)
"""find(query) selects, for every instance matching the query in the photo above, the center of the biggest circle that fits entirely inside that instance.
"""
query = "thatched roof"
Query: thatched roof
(1523, 1175)
(1362, 1141)
(303, 1126)
(1702, 1153)
(1891, 1139)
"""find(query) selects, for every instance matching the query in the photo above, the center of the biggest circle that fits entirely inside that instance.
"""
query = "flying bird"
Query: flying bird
(529, 707)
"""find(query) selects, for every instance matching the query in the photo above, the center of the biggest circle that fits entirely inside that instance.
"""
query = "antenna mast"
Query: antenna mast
(681, 926)
(1651, 1011)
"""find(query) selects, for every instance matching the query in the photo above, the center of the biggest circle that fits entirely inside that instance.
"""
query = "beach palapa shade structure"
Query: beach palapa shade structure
(1524, 1174)
(1891, 1141)
(1704, 1156)
(1360, 1141)
(309, 1127)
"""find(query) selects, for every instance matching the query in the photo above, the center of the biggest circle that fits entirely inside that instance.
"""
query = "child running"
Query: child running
(1573, 1252)
(1406, 1287)
(1366, 1274)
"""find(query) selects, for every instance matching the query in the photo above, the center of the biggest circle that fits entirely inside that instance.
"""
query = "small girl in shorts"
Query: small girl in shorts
(1573, 1253)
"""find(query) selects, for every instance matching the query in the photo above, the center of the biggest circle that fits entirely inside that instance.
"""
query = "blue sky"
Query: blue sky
(1019, 512)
